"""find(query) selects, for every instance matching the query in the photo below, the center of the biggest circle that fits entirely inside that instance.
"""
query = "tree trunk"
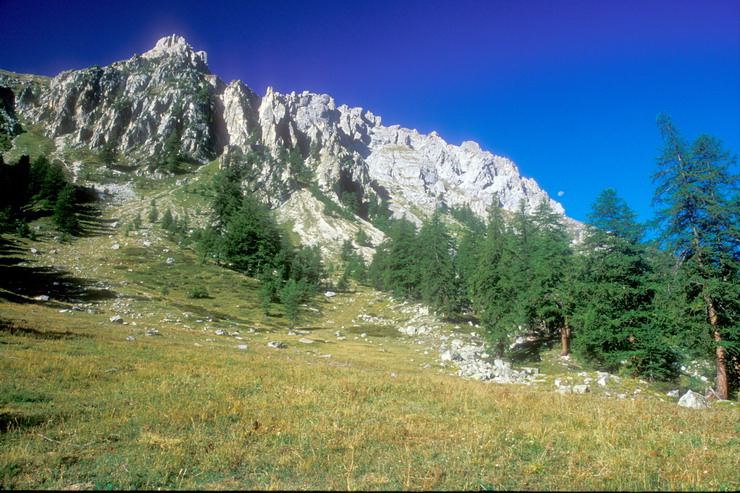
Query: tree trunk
(565, 338)
(723, 390)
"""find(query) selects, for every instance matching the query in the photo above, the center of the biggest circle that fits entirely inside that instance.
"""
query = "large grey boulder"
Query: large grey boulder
(693, 400)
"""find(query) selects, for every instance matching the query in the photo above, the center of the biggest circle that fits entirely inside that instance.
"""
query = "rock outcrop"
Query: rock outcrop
(133, 106)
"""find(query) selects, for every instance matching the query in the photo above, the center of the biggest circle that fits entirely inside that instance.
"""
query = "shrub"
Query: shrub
(198, 293)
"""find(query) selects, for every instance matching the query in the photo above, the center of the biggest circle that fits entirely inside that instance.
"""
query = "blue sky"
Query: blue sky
(569, 90)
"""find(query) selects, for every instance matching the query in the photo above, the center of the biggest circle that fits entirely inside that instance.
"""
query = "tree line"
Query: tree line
(615, 298)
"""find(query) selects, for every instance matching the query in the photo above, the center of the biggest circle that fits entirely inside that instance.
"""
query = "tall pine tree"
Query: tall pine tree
(697, 192)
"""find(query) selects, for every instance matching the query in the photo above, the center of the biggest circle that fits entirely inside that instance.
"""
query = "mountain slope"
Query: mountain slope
(133, 106)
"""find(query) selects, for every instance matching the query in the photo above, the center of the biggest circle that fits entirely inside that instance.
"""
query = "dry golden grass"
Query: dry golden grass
(162, 412)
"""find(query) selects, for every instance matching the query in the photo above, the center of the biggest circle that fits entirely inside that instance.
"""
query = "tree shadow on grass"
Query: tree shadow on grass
(21, 282)
(530, 350)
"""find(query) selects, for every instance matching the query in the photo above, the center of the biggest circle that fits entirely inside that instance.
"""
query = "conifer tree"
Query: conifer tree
(64, 210)
(251, 240)
(697, 191)
(436, 272)
(615, 313)
(552, 261)
(492, 286)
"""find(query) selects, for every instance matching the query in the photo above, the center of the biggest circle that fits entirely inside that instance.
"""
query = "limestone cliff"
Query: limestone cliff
(133, 106)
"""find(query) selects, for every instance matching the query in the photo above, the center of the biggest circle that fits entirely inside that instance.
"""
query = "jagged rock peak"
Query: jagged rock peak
(176, 46)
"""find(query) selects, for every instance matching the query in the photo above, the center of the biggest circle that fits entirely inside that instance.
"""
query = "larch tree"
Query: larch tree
(551, 263)
(435, 265)
(615, 315)
(697, 192)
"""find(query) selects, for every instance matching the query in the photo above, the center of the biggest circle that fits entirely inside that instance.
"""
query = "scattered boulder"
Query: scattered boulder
(693, 400)
(673, 393)
(42, 297)
(581, 389)
(305, 340)
(221, 332)
(277, 344)
(131, 338)
(242, 346)
(170, 260)
(330, 294)
(116, 247)
(152, 332)
(116, 319)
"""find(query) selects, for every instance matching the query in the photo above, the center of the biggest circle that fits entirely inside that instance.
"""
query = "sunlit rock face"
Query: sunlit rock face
(133, 106)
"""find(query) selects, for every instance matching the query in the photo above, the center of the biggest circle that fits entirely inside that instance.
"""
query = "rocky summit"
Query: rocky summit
(132, 106)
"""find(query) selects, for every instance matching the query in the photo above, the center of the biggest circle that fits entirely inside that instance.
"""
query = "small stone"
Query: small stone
(393, 375)
(242, 346)
(673, 393)
(131, 338)
(330, 294)
(291, 333)
(152, 332)
(116, 319)
(581, 389)
(170, 260)
(277, 344)
(305, 341)
(34, 251)
(42, 297)
(603, 380)
(116, 247)
(221, 332)
(363, 335)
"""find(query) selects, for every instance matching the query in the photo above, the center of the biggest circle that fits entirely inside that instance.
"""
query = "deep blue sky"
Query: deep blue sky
(569, 90)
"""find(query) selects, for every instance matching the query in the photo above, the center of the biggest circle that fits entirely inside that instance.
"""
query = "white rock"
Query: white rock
(116, 247)
(170, 260)
(305, 340)
(330, 294)
(242, 346)
(693, 400)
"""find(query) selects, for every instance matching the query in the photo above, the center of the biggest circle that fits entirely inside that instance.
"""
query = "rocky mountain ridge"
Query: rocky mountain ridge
(133, 106)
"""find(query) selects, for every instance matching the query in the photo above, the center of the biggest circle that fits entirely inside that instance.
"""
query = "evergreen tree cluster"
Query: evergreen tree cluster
(415, 265)
(615, 299)
(34, 189)
(245, 236)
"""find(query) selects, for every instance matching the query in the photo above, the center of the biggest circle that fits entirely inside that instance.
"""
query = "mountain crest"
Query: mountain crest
(174, 46)
(133, 106)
